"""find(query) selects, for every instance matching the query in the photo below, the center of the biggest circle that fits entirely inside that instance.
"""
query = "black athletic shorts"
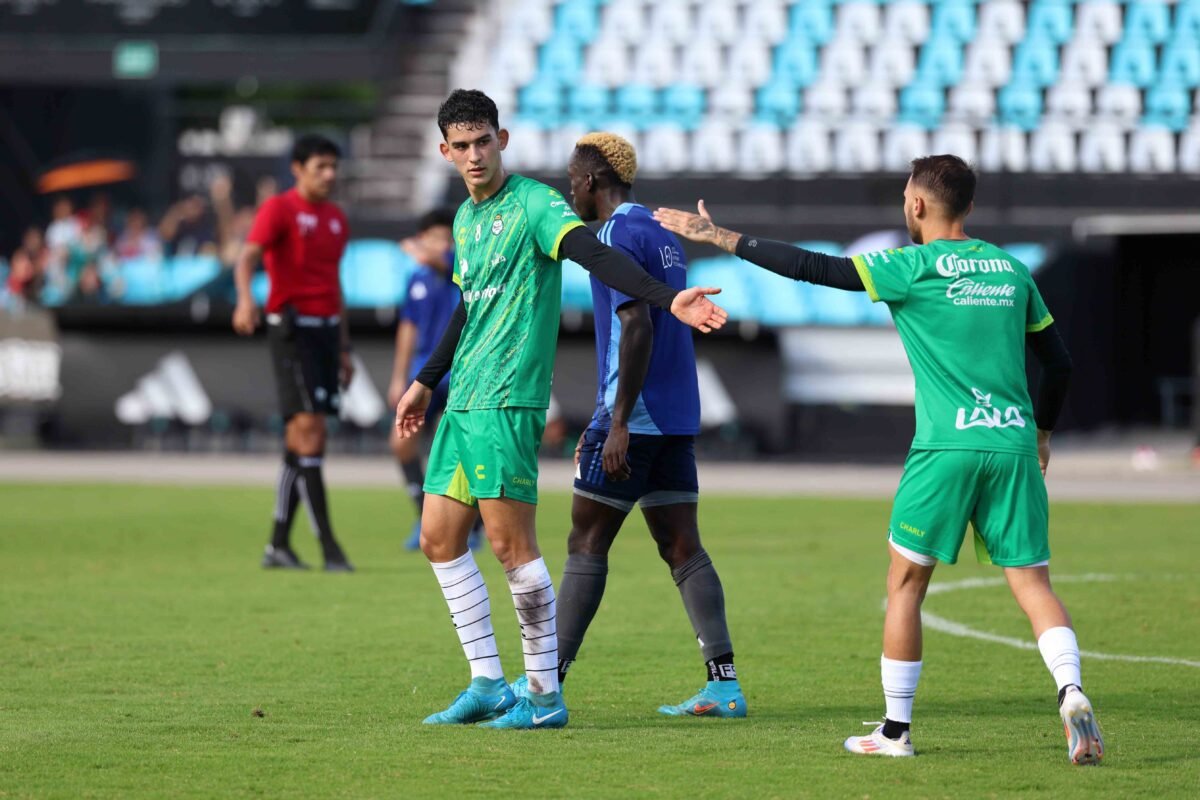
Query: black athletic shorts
(306, 354)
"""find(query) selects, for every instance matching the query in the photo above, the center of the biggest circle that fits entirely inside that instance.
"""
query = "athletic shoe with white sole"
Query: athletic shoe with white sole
(876, 744)
(532, 712)
(1084, 745)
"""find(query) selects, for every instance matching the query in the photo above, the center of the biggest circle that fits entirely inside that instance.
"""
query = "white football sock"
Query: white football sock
(899, 685)
(1060, 651)
(533, 597)
(471, 612)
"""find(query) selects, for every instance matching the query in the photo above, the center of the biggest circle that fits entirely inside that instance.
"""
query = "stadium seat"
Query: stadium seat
(821, 246)
(143, 281)
(540, 103)
(1085, 62)
(638, 105)
(906, 21)
(578, 20)
(561, 60)
(781, 301)
(1133, 62)
(713, 147)
(1049, 19)
(1001, 22)
(587, 104)
(843, 61)
(1031, 254)
(749, 64)
(903, 143)
(655, 66)
(795, 61)
(560, 142)
(576, 287)
(260, 287)
(922, 105)
(533, 22)
(810, 22)
(766, 21)
(1102, 148)
(1069, 103)
(1020, 106)
(975, 105)
(778, 102)
(953, 20)
(664, 151)
(1148, 20)
(1181, 63)
(1004, 148)
(186, 274)
(1189, 150)
(374, 273)
(837, 307)
(1052, 149)
(987, 65)
(1187, 22)
(516, 60)
(940, 62)
(891, 64)
(623, 20)
(702, 63)
(809, 149)
(527, 146)
(857, 147)
(873, 102)
(1099, 20)
(718, 20)
(826, 101)
(1119, 104)
(1152, 150)
(683, 105)
(955, 138)
(737, 293)
(760, 149)
(731, 102)
(1168, 106)
(607, 63)
(671, 21)
(858, 21)
(1036, 62)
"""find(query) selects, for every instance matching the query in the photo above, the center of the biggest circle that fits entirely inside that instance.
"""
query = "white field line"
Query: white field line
(953, 628)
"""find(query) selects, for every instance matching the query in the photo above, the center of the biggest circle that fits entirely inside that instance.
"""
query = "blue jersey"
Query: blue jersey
(429, 304)
(670, 400)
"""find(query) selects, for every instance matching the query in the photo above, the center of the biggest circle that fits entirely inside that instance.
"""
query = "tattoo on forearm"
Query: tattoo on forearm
(700, 227)
(727, 240)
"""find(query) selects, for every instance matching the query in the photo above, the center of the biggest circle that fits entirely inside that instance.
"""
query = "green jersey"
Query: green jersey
(506, 263)
(962, 309)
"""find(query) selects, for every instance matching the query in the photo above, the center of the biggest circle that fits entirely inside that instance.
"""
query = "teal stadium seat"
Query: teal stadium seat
(922, 105)
(143, 280)
(375, 273)
(781, 301)
(778, 102)
(1132, 62)
(561, 61)
(1187, 22)
(1181, 63)
(576, 287)
(683, 105)
(587, 105)
(637, 105)
(1020, 105)
(541, 103)
(186, 274)
(811, 21)
(1050, 19)
(578, 20)
(1168, 105)
(953, 20)
(1036, 62)
(260, 287)
(796, 61)
(730, 274)
(1148, 21)
(940, 62)
(1031, 254)
(837, 306)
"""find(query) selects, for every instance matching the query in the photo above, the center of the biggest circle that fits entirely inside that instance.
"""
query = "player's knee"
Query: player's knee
(588, 540)
(908, 579)
(306, 434)
(675, 548)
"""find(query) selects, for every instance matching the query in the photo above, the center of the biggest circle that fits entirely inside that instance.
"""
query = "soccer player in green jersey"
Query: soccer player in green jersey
(965, 310)
(510, 235)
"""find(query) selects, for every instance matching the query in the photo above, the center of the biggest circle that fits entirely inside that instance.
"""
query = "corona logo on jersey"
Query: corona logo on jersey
(984, 416)
(951, 265)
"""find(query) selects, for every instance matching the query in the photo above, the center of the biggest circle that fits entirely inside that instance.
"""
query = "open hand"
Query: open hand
(692, 307)
(697, 227)
(410, 411)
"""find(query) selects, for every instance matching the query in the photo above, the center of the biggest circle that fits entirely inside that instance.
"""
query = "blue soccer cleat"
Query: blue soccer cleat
(533, 711)
(414, 538)
(484, 699)
(716, 699)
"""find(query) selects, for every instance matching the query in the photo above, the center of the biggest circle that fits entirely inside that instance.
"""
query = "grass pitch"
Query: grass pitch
(139, 639)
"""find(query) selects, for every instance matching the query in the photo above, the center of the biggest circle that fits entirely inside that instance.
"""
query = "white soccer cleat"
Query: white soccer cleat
(876, 744)
(1084, 745)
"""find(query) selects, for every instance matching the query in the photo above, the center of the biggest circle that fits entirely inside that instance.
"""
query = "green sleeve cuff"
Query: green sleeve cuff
(570, 226)
(1045, 322)
(865, 274)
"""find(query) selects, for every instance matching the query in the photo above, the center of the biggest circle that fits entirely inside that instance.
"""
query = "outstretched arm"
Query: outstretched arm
(778, 257)
(1051, 352)
(614, 269)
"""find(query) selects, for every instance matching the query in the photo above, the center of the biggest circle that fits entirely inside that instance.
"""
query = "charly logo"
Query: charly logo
(497, 225)
(984, 416)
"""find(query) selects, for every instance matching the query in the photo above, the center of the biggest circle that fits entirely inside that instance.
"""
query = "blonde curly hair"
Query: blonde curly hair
(615, 150)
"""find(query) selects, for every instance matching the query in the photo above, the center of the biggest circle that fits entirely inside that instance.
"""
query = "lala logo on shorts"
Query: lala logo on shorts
(984, 416)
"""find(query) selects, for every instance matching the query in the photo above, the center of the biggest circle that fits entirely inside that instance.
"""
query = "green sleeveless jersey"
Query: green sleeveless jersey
(506, 263)
(962, 309)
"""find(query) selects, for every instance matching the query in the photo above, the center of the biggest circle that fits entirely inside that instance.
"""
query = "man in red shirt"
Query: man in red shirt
(300, 235)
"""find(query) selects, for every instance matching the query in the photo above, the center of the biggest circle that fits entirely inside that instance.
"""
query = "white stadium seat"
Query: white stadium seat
(843, 61)
(1102, 148)
(858, 20)
(1152, 150)
(766, 21)
(760, 150)
(892, 63)
(702, 63)
(717, 19)
(1004, 148)
(664, 151)
(515, 59)
(1001, 22)
(527, 149)
(561, 142)
(955, 138)
(987, 63)
(607, 63)
(1119, 104)
(906, 21)
(654, 66)
(901, 144)
(1085, 62)
(749, 63)
(671, 21)
(624, 20)
(1070, 104)
(713, 148)
(975, 105)
(874, 102)
(731, 101)
(809, 148)
(1052, 149)
(1189, 149)
(856, 147)
(1099, 20)
(534, 21)
(826, 101)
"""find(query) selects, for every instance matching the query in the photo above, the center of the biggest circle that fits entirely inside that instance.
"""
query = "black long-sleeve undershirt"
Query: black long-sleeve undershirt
(443, 355)
(1051, 352)
(613, 268)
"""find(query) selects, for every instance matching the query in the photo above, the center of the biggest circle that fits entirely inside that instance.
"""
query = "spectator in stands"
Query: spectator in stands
(24, 285)
(90, 288)
(138, 239)
(62, 236)
(189, 228)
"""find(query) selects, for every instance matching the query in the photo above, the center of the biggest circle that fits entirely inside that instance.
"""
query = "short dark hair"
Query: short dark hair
(312, 144)
(468, 108)
(948, 178)
(436, 217)
(592, 161)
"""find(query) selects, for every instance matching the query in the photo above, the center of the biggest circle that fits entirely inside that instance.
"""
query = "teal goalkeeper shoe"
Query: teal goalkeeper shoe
(533, 712)
(484, 699)
(716, 699)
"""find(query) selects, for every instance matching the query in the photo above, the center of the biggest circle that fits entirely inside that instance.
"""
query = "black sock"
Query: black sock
(1062, 693)
(564, 664)
(704, 601)
(414, 478)
(312, 490)
(894, 730)
(721, 668)
(579, 595)
(287, 497)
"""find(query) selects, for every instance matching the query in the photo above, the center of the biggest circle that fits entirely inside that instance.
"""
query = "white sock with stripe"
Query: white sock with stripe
(533, 597)
(899, 686)
(1060, 651)
(471, 612)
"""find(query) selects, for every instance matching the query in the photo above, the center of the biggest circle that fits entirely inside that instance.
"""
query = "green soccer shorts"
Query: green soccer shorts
(1003, 495)
(486, 454)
